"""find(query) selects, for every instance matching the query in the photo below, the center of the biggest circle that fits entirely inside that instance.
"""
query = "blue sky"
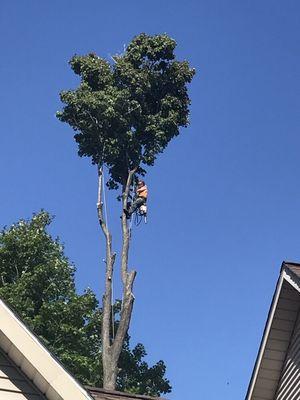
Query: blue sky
(224, 197)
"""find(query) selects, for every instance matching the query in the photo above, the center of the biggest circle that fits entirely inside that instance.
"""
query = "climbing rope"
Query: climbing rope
(137, 218)
(104, 197)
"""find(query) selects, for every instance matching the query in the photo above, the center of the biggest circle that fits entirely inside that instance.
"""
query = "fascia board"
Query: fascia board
(265, 335)
(291, 278)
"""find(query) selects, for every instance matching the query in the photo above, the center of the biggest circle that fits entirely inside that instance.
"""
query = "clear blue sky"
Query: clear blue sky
(224, 197)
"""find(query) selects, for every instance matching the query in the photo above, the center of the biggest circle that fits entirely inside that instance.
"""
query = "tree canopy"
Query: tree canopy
(126, 110)
(37, 280)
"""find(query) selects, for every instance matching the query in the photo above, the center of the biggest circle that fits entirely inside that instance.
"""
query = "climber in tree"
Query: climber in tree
(141, 198)
(124, 114)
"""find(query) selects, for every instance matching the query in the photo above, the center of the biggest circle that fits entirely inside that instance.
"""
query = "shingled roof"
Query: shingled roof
(276, 372)
(102, 394)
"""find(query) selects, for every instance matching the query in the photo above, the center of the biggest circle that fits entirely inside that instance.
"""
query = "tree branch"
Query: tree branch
(111, 351)
(127, 278)
(125, 317)
(125, 230)
(107, 297)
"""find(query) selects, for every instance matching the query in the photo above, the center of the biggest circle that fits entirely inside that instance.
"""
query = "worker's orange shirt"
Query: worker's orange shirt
(142, 191)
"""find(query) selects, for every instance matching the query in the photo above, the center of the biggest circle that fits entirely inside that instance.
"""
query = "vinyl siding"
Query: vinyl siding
(13, 384)
(289, 385)
(279, 339)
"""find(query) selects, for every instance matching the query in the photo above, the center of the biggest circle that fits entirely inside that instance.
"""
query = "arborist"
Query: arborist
(140, 201)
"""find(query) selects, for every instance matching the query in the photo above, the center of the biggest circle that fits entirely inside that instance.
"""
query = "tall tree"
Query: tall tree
(125, 113)
(37, 279)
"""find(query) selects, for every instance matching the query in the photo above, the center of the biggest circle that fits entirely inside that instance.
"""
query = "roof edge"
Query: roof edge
(287, 263)
(265, 334)
(34, 341)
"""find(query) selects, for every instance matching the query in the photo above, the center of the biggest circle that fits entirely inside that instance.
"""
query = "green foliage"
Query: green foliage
(37, 280)
(126, 112)
(136, 376)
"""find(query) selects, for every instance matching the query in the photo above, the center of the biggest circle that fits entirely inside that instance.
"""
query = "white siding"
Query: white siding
(13, 384)
(289, 385)
(274, 355)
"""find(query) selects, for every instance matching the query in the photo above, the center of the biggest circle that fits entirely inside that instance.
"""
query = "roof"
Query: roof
(41, 369)
(102, 394)
(35, 361)
(277, 334)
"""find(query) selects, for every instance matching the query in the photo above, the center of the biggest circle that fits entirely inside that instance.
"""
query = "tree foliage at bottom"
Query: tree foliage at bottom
(37, 280)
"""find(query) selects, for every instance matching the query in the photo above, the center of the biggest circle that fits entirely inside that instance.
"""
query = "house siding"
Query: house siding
(13, 384)
(279, 339)
(289, 385)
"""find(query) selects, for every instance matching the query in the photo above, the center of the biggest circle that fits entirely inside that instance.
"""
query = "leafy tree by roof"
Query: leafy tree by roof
(37, 280)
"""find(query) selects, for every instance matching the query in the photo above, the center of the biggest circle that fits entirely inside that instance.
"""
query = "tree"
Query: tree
(37, 280)
(124, 114)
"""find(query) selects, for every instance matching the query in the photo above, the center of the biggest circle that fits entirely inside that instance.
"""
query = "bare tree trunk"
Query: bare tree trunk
(111, 347)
